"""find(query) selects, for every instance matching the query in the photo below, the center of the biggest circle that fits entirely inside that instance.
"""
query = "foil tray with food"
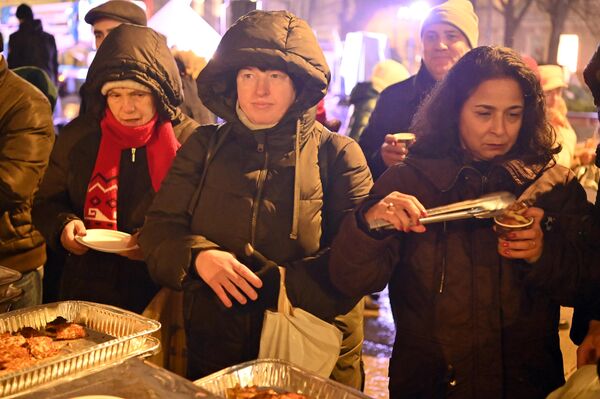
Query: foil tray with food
(277, 378)
(42, 344)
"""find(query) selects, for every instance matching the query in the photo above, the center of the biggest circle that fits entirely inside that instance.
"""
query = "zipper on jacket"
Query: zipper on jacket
(133, 155)
(484, 181)
(444, 249)
(262, 176)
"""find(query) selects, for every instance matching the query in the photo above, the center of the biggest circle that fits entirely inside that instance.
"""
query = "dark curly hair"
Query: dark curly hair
(436, 123)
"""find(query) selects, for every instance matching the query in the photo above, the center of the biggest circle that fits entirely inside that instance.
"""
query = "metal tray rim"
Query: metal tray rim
(216, 376)
(47, 365)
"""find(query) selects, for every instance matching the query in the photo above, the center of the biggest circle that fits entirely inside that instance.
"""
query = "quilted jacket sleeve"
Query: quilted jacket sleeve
(166, 240)
(26, 138)
(52, 208)
(348, 183)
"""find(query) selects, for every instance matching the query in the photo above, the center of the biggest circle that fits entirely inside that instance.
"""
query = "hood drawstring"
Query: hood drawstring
(296, 204)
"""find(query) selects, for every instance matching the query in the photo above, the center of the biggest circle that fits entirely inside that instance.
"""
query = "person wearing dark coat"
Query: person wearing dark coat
(586, 322)
(26, 138)
(364, 95)
(107, 16)
(270, 176)
(31, 46)
(448, 32)
(476, 312)
(108, 163)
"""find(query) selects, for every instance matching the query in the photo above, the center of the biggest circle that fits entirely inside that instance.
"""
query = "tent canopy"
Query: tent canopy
(185, 29)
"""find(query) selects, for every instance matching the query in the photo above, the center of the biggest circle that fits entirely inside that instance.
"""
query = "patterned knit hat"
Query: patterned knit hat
(458, 13)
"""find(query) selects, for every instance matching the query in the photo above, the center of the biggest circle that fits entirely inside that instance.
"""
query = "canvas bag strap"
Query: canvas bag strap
(283, 303)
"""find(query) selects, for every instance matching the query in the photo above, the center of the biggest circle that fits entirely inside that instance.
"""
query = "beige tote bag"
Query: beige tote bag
(299, 337)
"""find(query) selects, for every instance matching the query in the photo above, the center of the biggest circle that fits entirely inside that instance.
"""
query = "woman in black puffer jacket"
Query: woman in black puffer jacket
(270, 176)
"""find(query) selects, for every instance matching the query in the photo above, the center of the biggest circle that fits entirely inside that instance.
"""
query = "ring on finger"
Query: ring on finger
(390, 206)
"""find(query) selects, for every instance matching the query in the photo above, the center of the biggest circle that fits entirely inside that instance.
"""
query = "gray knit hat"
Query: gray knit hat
(458, 13)
(118, 10)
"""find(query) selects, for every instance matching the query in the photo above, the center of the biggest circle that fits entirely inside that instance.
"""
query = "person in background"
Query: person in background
(476, 312)
(190, 65)
(332, 124)
(31, 46)
(448, 32)
(40, 79)
(553, 83)
(26, 138)
(365, 94)
(270, 176)
(107, 16)
(108, 163)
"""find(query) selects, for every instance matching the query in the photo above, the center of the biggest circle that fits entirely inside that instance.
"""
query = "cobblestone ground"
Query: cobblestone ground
(379, 339)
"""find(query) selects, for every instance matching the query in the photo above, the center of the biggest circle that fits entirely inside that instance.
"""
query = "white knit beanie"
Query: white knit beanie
(386, 73)
(124, 84)
(458, 13)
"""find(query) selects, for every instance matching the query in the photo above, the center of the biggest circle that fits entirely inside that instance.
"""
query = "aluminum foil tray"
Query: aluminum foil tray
(113, 336)
(279, 375)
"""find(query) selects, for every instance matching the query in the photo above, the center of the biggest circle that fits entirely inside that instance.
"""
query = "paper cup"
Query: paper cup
(405, 138)
(503, 228)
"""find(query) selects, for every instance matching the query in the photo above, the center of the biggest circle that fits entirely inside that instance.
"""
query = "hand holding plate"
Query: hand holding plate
(67, 238)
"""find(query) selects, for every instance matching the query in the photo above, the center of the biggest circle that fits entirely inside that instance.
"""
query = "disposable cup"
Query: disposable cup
(504, 226)
(405, 138)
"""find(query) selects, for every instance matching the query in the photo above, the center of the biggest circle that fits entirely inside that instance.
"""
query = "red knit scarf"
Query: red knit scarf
(100, 209)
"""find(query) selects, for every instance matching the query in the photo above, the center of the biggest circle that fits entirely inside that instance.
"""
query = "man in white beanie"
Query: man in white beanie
(449, 31)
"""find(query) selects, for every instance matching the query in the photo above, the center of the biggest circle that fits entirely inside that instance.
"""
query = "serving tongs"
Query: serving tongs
(487, 206)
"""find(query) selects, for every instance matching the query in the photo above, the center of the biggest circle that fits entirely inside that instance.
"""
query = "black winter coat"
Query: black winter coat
(363, 98)
(31, 46)
(98, 276)
(262, 187)
(393, 113)
(469, 323)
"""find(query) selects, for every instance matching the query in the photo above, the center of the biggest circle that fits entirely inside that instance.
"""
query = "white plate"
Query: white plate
(105, 240)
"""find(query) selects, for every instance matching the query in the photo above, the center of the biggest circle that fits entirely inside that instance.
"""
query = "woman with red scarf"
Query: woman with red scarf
(109, 162)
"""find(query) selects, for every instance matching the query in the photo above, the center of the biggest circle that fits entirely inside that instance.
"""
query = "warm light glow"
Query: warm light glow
(415, 11)
(185, 29)
(568, 52)
(362, 50)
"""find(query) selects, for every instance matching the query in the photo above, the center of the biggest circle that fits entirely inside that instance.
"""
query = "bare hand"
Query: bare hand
(136, 253)
(524, 244)
(589, 350)
(392, 151)
(401, 210)
(226, 275)
(67, 237)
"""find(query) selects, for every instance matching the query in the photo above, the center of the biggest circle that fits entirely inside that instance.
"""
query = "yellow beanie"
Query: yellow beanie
(458, 13)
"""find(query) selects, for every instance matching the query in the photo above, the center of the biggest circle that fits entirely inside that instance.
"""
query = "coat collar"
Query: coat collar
(443, 173)
(423, 83)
